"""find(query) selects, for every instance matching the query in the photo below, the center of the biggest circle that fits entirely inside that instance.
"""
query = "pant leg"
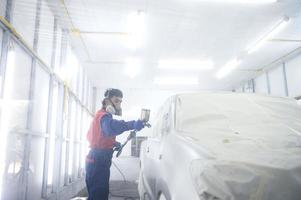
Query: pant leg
(90, 173)
(98, 175)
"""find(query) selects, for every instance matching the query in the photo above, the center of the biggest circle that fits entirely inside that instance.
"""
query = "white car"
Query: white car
(223, 146)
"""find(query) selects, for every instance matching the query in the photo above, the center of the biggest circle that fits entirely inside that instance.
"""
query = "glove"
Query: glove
(117, 146)
(138, 125)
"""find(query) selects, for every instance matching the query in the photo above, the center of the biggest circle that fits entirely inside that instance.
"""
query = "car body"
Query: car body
(230, 146)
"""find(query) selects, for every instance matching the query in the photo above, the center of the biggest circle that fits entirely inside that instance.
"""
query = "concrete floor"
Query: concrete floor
(123, 183)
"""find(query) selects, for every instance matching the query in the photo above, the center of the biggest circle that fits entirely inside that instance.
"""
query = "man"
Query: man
(101, 136)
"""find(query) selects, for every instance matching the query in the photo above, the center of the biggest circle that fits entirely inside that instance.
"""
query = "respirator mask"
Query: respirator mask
(111, 108)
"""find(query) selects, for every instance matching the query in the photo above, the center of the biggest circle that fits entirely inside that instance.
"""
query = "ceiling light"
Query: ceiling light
(132, 68)
(176, 80)
(186, 64)
(231, 65)
(276, 29)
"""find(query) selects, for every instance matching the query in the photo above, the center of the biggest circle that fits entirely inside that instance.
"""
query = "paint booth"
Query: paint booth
(221, 79)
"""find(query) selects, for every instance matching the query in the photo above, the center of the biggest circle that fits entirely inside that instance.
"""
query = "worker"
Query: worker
(102, 138)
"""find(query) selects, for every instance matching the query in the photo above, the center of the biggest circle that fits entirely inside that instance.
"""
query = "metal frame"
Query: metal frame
(67, 139)
(268, 82)
(285, 79)
(8, 34)
(75, 142)
(5, 44)
(285, 82)
(59, 140)
(80, 138)
(3, 59)
(253, 85)
(49, 114)
(26, 156)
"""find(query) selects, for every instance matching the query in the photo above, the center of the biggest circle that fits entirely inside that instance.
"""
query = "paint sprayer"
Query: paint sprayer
(145, 114)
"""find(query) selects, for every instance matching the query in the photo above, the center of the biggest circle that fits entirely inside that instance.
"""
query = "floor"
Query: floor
(123, 181)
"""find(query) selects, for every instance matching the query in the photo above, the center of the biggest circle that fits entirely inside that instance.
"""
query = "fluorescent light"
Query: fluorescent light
(231, 65)
(136, 29)
(135, 22)
(176, 80)
(132, 68)
(186, 64)
(276, 29)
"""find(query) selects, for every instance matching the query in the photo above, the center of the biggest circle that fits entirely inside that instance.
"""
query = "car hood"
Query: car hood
(227, 180)
(244, 164)
(272, 145)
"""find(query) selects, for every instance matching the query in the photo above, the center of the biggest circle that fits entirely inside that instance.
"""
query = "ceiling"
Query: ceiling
(213, 30)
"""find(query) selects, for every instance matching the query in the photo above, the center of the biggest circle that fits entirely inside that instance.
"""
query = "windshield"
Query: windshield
(232, 111)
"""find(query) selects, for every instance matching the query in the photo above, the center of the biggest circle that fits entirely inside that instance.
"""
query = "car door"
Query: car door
(153, 148)
(163, 151)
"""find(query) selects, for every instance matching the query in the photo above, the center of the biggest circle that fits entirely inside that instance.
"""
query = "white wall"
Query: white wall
(261, 84)
(291, 69)
(277, 81)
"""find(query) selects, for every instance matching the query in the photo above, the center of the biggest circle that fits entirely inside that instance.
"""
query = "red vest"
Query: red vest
(95, 135)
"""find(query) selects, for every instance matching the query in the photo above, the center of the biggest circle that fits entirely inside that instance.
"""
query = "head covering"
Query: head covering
(111, 92)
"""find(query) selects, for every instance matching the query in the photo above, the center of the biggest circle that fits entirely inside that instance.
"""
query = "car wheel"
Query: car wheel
(161, 197)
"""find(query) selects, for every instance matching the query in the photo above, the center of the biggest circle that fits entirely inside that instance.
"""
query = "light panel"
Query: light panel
(133, 67)
(276, 29)
(230, 66)
(176, 80)
(192, 65)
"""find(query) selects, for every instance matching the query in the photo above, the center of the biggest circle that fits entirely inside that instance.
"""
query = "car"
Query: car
(223, 146)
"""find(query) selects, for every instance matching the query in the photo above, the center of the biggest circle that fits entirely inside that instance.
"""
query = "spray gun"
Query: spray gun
(145, 114)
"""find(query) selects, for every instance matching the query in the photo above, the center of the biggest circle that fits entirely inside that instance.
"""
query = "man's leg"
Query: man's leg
(90, 173)
(102, 177)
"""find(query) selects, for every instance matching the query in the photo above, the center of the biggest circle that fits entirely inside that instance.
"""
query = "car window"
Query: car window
(167, 118)
(163, 120)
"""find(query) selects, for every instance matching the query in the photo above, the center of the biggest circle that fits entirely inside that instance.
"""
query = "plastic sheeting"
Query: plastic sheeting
(2, 7)
(40, 101)
(39, 127)
(14, 109)
(46, 32)
(254, 142)
(24, 12)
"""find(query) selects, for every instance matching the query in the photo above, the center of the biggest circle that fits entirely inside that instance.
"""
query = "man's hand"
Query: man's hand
(138, 125)
(117, 146)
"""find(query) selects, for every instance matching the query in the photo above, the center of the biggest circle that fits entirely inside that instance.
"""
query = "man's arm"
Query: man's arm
(113, 127)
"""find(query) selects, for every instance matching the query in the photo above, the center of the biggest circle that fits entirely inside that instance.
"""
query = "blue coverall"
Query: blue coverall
(100, 160)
